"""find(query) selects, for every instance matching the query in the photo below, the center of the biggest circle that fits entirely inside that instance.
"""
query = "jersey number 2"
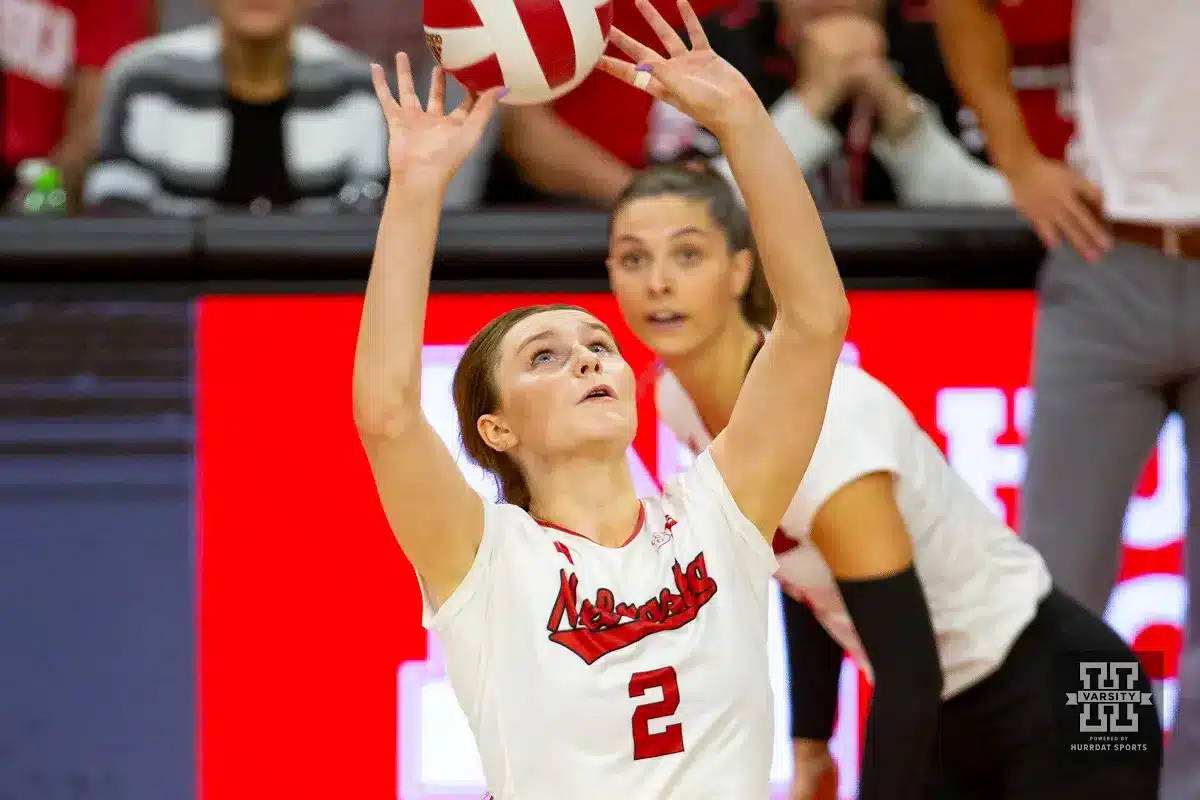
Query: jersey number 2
(670, 739)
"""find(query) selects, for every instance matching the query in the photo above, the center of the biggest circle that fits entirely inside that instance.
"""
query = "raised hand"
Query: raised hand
(696, 81)
(1059, 203)
(427, 146)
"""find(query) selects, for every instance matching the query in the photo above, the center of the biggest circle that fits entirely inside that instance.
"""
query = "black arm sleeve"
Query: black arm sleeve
(814, 669)
(892, 620)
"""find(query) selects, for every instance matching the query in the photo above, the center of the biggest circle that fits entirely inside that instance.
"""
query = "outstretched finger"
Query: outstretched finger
(666, 34)
(632, 47)
(695, 31)
(482, 109)
(464, 108)
(437, 92)
(404, 83)
(638, 77)
(383, 92)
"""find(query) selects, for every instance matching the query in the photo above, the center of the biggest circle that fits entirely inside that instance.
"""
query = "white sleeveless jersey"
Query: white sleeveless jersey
(631, 672)
(982, 583)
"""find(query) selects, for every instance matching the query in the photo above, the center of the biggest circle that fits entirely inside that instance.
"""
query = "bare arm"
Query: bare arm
(557, 159)
(863, 539)
(435, 515)
(77, 145)
(979, 61)
(765, 449)
(433, 512)
(102, 31)
(119, 178)
(859, 530)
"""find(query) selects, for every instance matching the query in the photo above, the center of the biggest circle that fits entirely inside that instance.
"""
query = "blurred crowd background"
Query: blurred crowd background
(180, 107)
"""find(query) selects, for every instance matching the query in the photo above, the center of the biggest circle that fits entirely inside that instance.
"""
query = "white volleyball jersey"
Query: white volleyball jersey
(982, 583)
(633, 672)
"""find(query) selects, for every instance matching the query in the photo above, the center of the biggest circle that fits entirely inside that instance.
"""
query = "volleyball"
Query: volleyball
(537, 49)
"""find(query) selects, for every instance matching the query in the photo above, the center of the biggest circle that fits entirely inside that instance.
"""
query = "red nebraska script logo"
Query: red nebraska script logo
(598, 627)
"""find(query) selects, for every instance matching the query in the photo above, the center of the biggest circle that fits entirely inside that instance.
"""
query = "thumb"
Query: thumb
(483, 109)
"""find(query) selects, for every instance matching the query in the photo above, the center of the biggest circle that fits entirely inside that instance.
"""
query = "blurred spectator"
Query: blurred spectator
(851, 120)
(586, 145)
(249, 112)
(376, 28)
(53, 54)
(1117, 346)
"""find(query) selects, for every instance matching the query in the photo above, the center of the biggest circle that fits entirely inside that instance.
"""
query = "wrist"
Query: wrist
(418, 186)
(898, 113)
(899, 117)
(822, 99)
(745, 121)
(1012, 155)
(810, 748)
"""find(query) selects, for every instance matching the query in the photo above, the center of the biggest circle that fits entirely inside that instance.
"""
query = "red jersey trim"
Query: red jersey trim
(637, 527)
(647, 382)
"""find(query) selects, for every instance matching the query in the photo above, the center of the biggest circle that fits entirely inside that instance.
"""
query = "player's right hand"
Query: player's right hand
(816, 774)
(426, 146)
(1060, 204)
(693, 79)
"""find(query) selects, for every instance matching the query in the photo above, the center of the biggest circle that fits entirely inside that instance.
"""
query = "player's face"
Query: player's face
(259, 20)
(673, 275)
(563, 387)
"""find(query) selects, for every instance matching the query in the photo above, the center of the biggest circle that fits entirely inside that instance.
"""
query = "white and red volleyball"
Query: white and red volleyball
(538, 49)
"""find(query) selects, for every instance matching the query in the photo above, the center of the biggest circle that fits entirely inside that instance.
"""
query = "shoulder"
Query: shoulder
(701, 502)
(507, 520)
(166, 54)
(700, 490)
(865, 430)
(312, 48)
(858, 401)
(862, 415)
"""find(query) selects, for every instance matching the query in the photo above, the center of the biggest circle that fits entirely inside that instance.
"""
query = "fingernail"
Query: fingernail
(501, 93)
(642, 68)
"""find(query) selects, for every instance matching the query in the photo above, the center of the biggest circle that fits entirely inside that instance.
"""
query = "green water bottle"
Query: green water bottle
(44, 192)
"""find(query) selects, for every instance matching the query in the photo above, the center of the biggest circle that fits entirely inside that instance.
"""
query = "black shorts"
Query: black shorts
(1002, 739)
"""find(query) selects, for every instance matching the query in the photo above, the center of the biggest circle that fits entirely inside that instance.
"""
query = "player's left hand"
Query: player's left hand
(696, 81)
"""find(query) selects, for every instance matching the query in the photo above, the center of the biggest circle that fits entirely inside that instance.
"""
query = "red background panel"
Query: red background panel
(307, 607)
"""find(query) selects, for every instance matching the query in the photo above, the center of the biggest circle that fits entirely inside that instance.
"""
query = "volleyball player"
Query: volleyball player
(600, 645)
(952, 616)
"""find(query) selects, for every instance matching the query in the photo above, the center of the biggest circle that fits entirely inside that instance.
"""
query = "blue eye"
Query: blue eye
(541, 357)
(601, 348)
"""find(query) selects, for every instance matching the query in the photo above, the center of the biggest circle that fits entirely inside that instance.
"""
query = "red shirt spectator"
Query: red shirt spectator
(1039, 32)
(48, 47)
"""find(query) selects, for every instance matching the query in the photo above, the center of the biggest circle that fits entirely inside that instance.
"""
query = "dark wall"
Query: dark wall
(97, 631)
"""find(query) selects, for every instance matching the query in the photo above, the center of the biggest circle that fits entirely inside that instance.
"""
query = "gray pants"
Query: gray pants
(1117, 348)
